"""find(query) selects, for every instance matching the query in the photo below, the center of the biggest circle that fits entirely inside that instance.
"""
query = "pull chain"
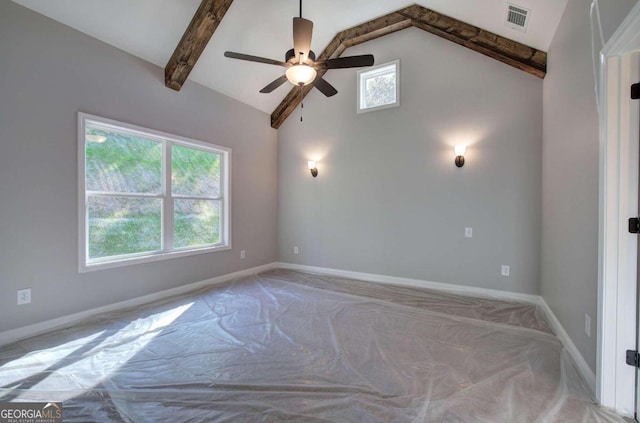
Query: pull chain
(301, 103)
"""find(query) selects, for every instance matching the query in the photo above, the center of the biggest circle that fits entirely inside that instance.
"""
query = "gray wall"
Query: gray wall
(570, 172)
(389, 199)
(48, 72)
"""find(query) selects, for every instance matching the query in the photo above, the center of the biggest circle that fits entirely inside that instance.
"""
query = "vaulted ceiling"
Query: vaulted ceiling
(151, 30)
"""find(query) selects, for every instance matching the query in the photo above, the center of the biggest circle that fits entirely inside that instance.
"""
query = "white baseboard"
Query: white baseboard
(14, 335)
(416, 283)
(64, 321)
(584, 369)
(581, 363)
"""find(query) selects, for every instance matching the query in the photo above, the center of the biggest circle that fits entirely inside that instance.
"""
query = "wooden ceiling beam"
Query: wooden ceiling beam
(495, 46)
(492, 45)
(193, 42)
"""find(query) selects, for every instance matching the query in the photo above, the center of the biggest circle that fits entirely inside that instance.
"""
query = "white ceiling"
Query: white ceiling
(151, 29)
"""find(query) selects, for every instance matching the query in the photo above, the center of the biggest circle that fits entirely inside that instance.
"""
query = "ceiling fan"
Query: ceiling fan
(300, 61)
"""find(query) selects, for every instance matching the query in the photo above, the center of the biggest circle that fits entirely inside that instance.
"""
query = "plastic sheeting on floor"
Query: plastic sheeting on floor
(287, 346)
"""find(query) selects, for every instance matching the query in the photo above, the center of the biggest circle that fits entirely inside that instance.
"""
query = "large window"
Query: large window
(147, 195)
(379, 87)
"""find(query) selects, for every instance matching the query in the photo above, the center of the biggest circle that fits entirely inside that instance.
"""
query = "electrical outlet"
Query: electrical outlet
(243, 255)
(24, 296)
(587, 325)
(505, 270)
(468, 232)
(295, 250)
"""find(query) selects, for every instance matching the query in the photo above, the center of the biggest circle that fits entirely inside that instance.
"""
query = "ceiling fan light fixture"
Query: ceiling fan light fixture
(301, 74)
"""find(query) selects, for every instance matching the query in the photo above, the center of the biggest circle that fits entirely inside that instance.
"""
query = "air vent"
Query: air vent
(517, 17)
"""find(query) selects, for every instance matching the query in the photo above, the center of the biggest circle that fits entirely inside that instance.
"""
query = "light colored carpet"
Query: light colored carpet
(288, 346)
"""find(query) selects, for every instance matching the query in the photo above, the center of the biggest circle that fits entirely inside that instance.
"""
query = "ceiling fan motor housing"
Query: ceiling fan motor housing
(290, 57)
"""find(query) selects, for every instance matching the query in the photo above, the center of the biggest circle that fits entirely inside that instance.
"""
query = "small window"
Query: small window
(147, 195)
(379, 87)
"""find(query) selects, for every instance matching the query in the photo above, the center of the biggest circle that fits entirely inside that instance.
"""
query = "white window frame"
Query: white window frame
(368, 73)
(167, 251)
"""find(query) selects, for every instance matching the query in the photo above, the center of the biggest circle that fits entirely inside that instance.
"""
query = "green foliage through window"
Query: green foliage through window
(195, 172)
(196, 222)
(123, 163)
(119, 226)
(127, 197)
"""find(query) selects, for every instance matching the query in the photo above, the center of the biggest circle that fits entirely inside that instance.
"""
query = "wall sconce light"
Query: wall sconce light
(313, 168)
(459, 150)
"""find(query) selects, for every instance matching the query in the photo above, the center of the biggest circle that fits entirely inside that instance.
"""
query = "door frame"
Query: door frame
(617, 250)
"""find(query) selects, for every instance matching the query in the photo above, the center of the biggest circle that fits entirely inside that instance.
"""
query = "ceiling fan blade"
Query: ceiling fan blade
(302, 31)
(346, 62)
(324, 87)
(257, 59)
(275, 84)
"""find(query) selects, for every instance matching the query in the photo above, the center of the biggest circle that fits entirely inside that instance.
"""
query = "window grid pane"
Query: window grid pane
(122, 163)
(196, 223)
(380, 90)
(123, 225)
(194, 172)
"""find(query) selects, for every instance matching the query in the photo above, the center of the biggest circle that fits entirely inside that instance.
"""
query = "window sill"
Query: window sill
(376, 108)
(148, 258)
